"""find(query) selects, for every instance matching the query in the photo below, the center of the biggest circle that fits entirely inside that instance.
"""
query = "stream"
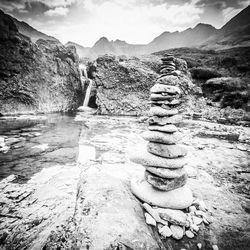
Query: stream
(218, 162)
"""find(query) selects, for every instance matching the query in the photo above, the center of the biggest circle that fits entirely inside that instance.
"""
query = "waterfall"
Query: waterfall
(83, 70)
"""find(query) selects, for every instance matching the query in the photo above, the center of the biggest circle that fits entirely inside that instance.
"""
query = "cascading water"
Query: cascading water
(83, 73)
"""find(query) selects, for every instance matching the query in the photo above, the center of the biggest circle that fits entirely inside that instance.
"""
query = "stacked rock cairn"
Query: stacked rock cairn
(164, 183)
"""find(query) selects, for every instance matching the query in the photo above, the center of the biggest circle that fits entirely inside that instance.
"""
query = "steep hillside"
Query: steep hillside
(81, 50)
(29, 31)
(41, 76)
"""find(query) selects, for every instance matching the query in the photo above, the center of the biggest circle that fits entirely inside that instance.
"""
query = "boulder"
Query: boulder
(166, 138)
(179, 198)
(165, 184)
(107, 215)
(167, 151)
(143, 157)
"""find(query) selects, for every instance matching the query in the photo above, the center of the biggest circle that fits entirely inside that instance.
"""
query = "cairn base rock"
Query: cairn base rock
(179, 198)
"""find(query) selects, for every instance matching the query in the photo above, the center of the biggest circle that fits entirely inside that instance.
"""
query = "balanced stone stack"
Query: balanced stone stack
(164, 184)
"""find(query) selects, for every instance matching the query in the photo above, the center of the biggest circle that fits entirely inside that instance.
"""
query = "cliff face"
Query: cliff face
(41, 76)
(123, 83)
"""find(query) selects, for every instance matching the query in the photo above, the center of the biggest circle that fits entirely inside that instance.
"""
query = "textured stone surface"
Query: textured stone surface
(158, 111)
(168, 151)
(161, 88)
(175, 119)
(174, 216)
(179, 198)
(168, 80)
(166, 173)
(41, 76)
(169, 128)
(161, 137)
(161, 97)
(143, 157)
(165, 184)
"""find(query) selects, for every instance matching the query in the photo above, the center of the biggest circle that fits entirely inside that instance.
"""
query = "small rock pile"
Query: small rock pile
(177, 223)
(165, 177)
(164, 185)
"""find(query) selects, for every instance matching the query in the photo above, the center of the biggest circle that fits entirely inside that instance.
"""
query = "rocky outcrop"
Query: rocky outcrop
(41, 76)
(228, 91)
(122, 83)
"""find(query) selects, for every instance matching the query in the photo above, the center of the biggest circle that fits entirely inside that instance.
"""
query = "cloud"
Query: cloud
(58, 11)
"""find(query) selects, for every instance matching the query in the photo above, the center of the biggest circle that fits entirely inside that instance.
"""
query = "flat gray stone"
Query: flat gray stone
(166, 172)
(168, 151)
(179, 198)
(173, 216)
(161, 137)
(168, 128)
(143, 157)
(158, 111)
(160, 88)
(175, 119)
(160, 97)
(169, 80)
(165, 184)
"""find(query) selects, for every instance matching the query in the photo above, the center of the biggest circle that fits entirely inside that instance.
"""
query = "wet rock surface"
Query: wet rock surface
(218, 174)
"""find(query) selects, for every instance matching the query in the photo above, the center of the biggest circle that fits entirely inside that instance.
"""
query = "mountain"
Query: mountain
(26, 30)
(81, 50)
(234, 33)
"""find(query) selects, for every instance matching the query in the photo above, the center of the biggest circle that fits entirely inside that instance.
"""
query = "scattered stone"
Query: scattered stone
(175, 119)
(165, 184)
(192, 209)
(215, 247)
(202, 206)
(166, 173)
(166, 138)
(194, 228)
(165, 231)
(177, 231)
(174, 216)
(189, 234)
(179, 198)
(199, 245)
(167, 151)
(150, 220)
(143, 157)
(169, 128)
(154, 214)
(197, 220)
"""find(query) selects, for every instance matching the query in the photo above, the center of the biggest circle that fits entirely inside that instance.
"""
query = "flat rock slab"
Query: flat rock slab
(158, 111)
(161, 137)
(180, 198)
(175, 119)
(167, 151)
(107, 215)
(166, 172)
(143, 157)
(169, 128)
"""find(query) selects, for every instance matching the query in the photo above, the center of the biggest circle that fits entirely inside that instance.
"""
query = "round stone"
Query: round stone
(169, 128)
(157, 136)
(177, 231)
(168, 151)
(165, 184)
(169, 80)
(175, 119)
(158, 111)
(179, 198)
(143, 157)
(161, 97)
(166, 172)
(163, 88)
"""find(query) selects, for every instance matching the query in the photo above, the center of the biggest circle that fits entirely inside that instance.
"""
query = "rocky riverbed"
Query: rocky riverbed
(83, 200)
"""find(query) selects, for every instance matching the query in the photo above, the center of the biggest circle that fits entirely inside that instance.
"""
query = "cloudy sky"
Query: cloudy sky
(136, 21)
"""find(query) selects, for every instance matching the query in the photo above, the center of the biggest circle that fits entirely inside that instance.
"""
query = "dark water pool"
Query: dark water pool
(41, 145)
